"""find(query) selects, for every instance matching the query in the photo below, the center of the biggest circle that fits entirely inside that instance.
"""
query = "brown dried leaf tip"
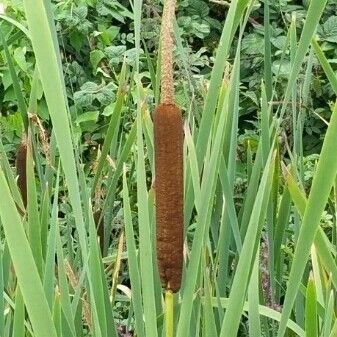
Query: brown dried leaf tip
(168, 135)
(21, 164)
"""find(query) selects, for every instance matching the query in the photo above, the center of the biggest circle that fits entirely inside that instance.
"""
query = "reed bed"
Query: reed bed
(223, 266)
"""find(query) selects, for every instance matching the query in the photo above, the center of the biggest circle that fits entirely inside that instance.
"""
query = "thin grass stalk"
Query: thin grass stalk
(268, 78)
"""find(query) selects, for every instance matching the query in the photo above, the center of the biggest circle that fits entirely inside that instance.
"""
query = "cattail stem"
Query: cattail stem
(169, 313)
(167, 86)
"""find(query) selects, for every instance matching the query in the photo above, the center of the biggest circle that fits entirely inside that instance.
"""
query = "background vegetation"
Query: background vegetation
(256, 82)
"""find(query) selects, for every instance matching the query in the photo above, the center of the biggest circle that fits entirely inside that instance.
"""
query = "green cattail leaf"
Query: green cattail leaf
(19, 315)
(24, 264)
(46, 50)
(311, 326)
(321, 186)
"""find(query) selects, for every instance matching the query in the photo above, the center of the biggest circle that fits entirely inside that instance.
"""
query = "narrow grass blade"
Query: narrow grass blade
(233, 313)
(231, 24)
(34, 225)
(113, 126)
(13, 38)
(311, 326)
(16, 84)
(64, 287)
(44, 221)
(331, 75)
(267, 51)
(57, 314)
(19, 315)
(48, 280)
(321, 186)
(253, 301)
(145, 237)
(313, 16)
(329, 314)
(16, 23)
(95, 281)
(47, 59)
(263, 311)
(125, 153)
(322, 243)
(208, 187)
(210, 326)
(9, 176)
(2, 301)
(26, 270)
(193, 163)
(132, 261)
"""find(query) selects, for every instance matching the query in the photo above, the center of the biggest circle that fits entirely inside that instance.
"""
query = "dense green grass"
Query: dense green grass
(265, 267)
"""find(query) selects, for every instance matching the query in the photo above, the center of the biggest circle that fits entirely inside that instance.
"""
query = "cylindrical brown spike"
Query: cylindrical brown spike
(168, 135)
(21, 164)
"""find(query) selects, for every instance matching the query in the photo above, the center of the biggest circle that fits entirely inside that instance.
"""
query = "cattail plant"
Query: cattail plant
(168, 134)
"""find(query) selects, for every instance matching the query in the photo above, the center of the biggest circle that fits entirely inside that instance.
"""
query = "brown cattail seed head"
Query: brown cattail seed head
(21, 164)
(168, 133)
